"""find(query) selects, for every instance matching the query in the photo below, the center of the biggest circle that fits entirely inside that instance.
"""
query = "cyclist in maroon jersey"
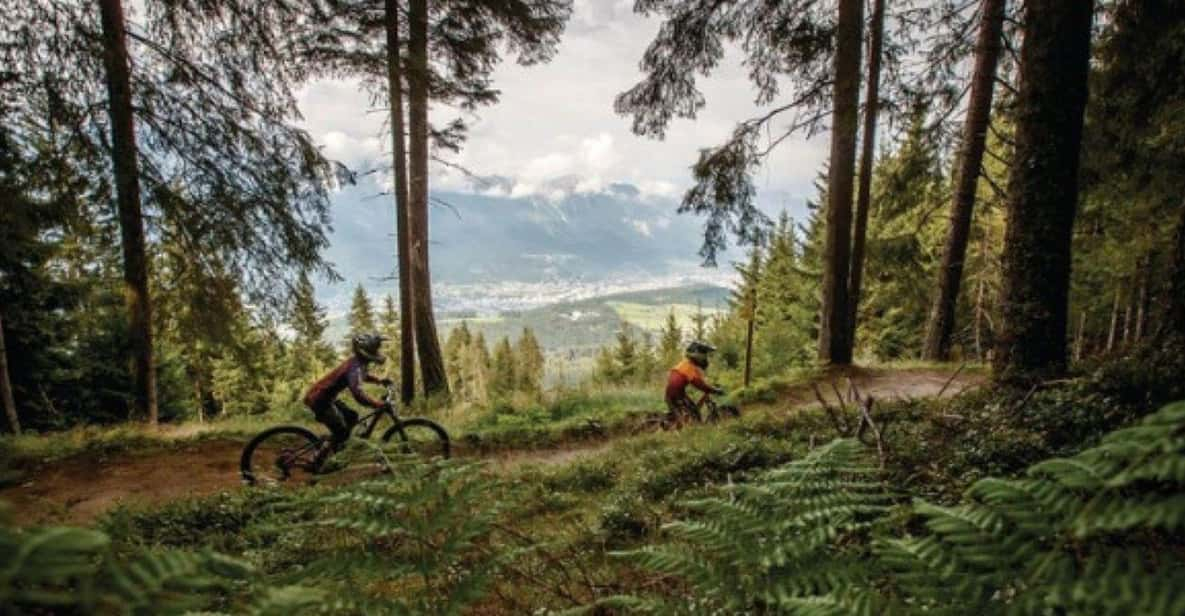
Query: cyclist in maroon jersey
(350, 374)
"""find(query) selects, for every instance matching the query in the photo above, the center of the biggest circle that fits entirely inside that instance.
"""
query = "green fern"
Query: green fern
(425, 530)
(785, 542)
(412, 543)
(1097, 533)
(77, 569)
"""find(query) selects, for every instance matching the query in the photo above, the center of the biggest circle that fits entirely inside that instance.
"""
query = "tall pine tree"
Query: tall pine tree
(1043, 190)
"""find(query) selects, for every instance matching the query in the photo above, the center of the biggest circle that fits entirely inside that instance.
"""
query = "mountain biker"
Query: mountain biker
(689, 371)
(350, 374)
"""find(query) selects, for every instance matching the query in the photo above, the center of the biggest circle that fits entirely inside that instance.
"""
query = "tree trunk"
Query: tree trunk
(749, 350)
(835, 345)
(407, 342)
(201, 398)
(1080, 339)
(1142, 305)
(131, 221)
(979, 110)
(867, 152)
(1174, 321)
(1114, 330)
(14, 422)
(427, 342)
(978, 325)
(1043, 191)
(1127, 324)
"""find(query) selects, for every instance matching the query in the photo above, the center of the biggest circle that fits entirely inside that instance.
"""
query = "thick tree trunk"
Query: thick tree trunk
(14, 422)
(867, 152)
(407, 342)
(835, 343)
(427, 342)
(1043, 191)
(979, 110)
(131, 221)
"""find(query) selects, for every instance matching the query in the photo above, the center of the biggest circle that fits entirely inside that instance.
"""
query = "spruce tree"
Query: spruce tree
(699, 322)
(605, 370)
(745, 303)
(670, 341)
(200, 140)
(503, 376)
(456, 350)
(786, 45)
(307, 319)
(530, 364)
(361, 319)
(625, 354)
(477, 369)
(389, 323)
(647, 360)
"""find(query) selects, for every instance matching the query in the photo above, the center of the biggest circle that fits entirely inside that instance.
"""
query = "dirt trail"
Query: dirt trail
(78, 490)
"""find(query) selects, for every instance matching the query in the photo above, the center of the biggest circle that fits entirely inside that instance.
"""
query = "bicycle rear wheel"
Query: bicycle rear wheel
(420, 436)
(280, 455)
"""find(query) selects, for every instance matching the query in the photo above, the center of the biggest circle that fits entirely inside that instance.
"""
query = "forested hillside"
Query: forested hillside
(949, 378)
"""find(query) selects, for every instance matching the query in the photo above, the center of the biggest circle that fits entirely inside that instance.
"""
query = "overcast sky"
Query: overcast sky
(557, 120)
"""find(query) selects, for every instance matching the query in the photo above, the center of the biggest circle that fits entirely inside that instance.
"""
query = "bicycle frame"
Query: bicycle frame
(374, 416)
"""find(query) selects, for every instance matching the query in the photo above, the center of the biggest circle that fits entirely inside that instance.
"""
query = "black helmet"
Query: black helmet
(366, 347)
(698, 352)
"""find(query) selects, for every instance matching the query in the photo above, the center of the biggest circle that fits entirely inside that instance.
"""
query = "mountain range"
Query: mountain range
(493, 251)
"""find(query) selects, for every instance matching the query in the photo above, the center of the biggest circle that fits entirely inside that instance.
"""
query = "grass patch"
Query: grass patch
(653, 317)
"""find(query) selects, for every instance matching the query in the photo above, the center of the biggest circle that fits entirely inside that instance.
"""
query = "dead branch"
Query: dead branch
(838, 396)
(865, 411)
(841, 424)
(1025, 400)
(951, 379)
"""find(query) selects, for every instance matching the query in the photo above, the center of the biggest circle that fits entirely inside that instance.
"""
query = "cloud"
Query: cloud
(641, 226)
(556, 121)
(352, 151)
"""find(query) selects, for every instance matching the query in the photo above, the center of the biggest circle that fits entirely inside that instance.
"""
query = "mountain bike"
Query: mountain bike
(293, 453)
(705, 409)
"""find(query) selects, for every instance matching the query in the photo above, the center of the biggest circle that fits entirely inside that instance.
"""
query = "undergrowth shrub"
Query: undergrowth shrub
(794, 533)
(427, 532)
(228, 521)
(58, 570)
(1096, 533)
(417, 541)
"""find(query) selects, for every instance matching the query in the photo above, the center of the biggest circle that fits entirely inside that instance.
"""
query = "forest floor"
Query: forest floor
(80, 488)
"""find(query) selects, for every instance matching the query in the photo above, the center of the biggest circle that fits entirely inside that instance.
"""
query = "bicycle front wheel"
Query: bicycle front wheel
(280, 455)
(420, 436)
